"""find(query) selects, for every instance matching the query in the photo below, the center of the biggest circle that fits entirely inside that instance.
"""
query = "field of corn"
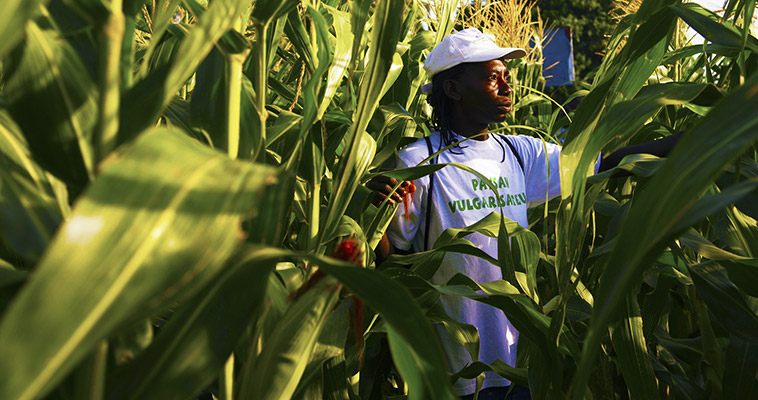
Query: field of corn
(183, 210)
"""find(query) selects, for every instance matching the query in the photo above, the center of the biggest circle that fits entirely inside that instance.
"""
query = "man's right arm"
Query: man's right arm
(660, 148)
(382, 187)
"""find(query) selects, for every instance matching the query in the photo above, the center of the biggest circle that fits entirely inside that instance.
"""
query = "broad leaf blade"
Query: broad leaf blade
(696, 161)
(29, 213)
(142, 104)
(406, 320)
(158, 224)
(48, 79)
(633, 358)
(193, 346)
(725, 301)
(15, 15)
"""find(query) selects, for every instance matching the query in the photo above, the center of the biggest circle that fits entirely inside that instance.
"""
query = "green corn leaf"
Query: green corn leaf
(423, 354)
(359, 16)
(709, 205)
(632, 354)
(29, 212)
(743, 273)
(745, 231)
(193, 346)
(402, 355)
(163, 217)
(298, 35)
(521, 311)
(277, 370)
(207, 104)
(695, 241)
(336, 379)
(725, 301)
(356, 159)
(740, 368)
(707, 24)
(143, 103)
(16, 14)
(655, 302)
(649, 7)
(285, 123)
(671, 372)
(466, 335)
(623, 120)
(689, 51)
(46, 77)
(513, 374)
(389, 126)
(526, 252)
(342, 56)
(330, 347)
(268, 10)
(639, 164)
(691, 167)
(394, 72)
(161, 18)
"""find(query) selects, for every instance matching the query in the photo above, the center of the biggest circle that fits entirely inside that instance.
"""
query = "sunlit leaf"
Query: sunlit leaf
(163, 217)
(46, 77)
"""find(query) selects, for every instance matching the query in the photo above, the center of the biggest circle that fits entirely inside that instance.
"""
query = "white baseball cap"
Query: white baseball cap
(466, 46)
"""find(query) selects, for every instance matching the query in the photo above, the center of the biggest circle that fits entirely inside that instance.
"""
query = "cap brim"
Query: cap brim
(509, 53)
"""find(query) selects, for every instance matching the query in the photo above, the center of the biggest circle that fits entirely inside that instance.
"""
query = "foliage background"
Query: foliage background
(182, 208)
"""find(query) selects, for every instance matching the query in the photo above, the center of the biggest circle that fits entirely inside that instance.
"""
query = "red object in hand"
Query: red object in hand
(348, 250)
(408, 200)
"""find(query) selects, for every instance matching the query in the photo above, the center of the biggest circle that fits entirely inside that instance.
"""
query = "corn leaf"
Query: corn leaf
(46, 77)
(689, 170)
(342, 56)
(357, 156)
(192, 347)
(16, 14)
(142, 104)
(741, 367)
(158, 224)
(725, 301)
(421, 354)
(29, 212)
(706, 23)
(279, 367)
(632, 354)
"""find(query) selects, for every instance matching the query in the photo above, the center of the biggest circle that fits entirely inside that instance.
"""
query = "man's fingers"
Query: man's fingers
(385, 186)
(379, 197)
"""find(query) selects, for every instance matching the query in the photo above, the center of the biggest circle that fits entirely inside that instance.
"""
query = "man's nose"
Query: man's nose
(505, 88)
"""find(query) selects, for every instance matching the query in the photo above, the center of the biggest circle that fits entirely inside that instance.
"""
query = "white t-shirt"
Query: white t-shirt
(460, 199)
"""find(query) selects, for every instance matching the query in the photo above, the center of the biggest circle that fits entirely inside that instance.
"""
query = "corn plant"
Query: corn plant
(182, 209)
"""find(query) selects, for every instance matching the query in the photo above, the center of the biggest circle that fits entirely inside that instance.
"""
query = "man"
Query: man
(470, 91)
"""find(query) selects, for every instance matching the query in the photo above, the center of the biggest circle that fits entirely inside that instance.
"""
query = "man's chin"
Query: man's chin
(500, 118)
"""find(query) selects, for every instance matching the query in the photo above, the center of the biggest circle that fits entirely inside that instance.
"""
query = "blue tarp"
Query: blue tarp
(558, 54)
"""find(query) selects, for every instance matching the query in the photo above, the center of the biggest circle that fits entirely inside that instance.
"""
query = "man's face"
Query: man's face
(485, 96)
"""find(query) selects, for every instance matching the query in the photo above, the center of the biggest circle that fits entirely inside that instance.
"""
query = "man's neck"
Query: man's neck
(468, 131)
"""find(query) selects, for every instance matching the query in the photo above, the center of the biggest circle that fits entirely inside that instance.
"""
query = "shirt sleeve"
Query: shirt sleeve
(541, 168)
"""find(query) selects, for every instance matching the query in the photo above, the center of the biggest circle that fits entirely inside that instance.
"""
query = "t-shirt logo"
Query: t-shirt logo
(481, 201)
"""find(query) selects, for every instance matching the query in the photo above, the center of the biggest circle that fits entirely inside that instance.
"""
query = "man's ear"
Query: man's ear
(450, 87)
